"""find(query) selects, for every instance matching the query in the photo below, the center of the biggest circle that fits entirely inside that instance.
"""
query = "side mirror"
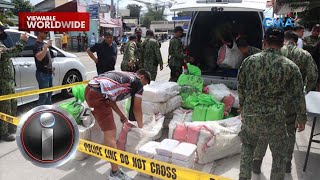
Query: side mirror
(53, 53)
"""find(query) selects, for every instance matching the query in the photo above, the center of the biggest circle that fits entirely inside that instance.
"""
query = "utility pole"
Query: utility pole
(112, 9)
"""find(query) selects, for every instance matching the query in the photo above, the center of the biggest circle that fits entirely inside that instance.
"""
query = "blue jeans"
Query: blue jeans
(44, 81)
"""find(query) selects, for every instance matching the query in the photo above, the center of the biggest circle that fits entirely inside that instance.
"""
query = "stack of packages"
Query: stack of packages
(149, 151)
(221, 91)
(214, 139)
(184, 155)
(161, 97)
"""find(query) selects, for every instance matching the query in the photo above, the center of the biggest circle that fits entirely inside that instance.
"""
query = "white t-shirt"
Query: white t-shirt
(300, 43)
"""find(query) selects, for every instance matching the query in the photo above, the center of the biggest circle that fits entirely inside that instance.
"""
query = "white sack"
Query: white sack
(179, 116)
(236, 97)
(184, 151)
(154, 108)
(233, 57)
(136, 137)
(160, 91)
(166, 147)
(215, 141)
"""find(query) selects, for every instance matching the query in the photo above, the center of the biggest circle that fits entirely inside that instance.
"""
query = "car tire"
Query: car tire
(71, 77)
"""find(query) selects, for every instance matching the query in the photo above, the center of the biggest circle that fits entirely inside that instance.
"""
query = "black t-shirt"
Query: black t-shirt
(118, 86)
(45, 65)
(107, 56)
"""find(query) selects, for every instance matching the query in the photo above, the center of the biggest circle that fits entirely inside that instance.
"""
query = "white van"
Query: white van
(245, 17)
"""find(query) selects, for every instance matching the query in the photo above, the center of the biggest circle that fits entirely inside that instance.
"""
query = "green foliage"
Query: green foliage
(21, 6)
(134, 10)
(154, 13)
(4, 18)
(310, 17)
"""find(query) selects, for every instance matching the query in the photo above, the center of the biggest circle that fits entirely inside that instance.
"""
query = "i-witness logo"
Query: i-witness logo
(54, 21)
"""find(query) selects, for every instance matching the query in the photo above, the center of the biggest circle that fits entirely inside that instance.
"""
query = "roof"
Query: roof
(41, 2)
(287, 6)
(67, 7)
(5, 4)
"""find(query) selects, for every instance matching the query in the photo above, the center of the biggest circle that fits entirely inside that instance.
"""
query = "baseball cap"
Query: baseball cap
(274, 33)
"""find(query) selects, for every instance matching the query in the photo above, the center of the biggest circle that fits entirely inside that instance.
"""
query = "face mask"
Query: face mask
(3, 36)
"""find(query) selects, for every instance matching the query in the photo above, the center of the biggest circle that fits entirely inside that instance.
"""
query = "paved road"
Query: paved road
(14, 167)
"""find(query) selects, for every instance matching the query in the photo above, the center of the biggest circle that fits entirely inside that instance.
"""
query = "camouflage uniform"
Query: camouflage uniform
(309, 43)
(7, 83)
(267, 82)
(129, 54)
(151, 56)
(253, 50)
(309, 72)
(139, 62)
(176, 58)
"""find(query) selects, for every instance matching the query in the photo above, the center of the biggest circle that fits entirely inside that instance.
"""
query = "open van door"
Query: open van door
(220, 5)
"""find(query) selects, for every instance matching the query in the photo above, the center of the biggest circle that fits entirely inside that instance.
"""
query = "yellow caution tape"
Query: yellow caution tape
(9, 119)
(40, 91)
(135, 162)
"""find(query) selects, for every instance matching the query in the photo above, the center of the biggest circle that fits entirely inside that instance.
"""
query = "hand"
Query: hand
(123, 120)
(24, 37)
(49, 43)
(300, 126)
(161, 67)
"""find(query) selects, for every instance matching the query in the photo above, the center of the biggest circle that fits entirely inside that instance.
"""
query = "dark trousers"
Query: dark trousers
(44, 81)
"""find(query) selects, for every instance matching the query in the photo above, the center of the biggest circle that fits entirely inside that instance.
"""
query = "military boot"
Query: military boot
(256, 166)
(288, 167)
(7, 137)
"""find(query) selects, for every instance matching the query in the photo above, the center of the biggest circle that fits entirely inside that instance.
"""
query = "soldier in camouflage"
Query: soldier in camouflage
(245, 49)
(151, 55)
(310, 42)
(176, 56)
(309, 72)
(138, 33)
(129, 62)
(7, 82)
(267, 82)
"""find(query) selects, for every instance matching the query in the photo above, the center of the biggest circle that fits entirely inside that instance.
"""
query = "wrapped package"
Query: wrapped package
(162, 158)
(154, 108)
(132, 138)
(186, 164)
(184, 152)
(219, 91)
(160, 91)
(163, 108)
(166, 147)
(230, 58)
(149, 149)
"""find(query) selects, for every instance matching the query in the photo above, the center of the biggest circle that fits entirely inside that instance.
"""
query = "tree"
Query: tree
(154, 13)
(21, 6)
(134, 10)
(4, 18)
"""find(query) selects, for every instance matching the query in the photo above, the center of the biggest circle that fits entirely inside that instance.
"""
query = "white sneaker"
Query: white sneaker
(119, 175)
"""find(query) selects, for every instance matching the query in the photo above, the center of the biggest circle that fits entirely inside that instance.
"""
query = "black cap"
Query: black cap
(138, 30)
(133, 37)
(273, 33)
(178, 29)
(241, 42)
(108, 33)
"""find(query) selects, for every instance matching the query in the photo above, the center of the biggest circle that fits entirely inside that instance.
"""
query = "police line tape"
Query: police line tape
(132, 161)
(135, 162)
(40, 91)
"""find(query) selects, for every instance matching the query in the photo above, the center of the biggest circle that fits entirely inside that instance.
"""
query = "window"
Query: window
(28, 49)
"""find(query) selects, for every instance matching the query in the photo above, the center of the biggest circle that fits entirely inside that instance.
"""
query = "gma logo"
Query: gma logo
(278, 22)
